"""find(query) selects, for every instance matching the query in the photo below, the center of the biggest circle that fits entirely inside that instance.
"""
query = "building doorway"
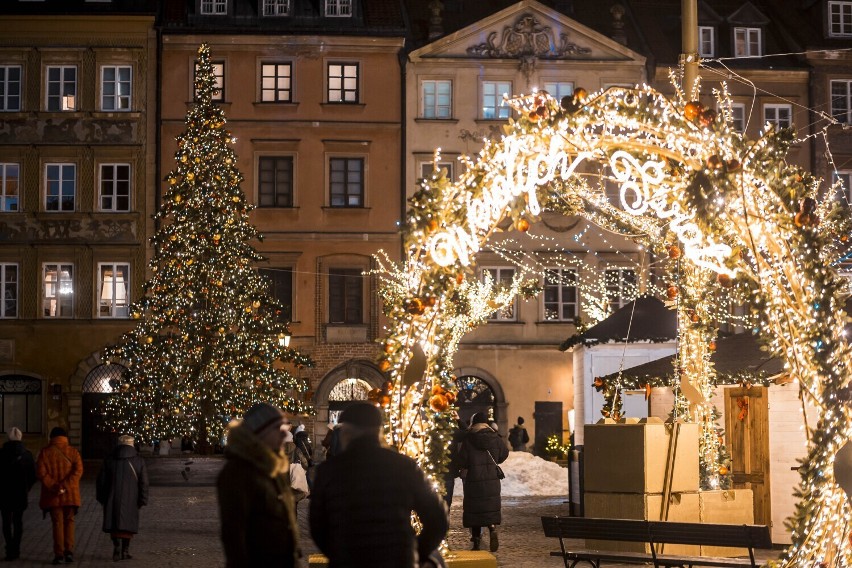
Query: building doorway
(343, 394)
(97, 441)
(476, 395)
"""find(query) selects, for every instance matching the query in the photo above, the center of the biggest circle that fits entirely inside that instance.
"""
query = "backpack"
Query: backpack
(515, 436)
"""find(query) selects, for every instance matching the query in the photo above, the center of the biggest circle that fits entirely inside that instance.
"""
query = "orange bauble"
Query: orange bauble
(674, 252)
(437, 389)
(415, 307)
(723, 470)
(385, 400)
(692, 110)
(711, 346)
(384, 365)
(725, 280)
(580, 94)
(522, 225)
(439, 403)
(671, 292)
(451, 396)
(388, 348)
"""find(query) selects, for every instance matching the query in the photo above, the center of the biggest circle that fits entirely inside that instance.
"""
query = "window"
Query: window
(10, 87)
(428, 168)
(115, 187)
(706, 41)
(501, 277)
(844, 193)
(779, 115)
(281, 288)
(437, 99)
(215, 7)
(275, 85)
(840, 18)
(218, 80)
(747, 42)
(738, 116)
(275, 185)
(347, 182)
(841, 100)
(9, 184)
(338, 8)
(62, 88)
(345, 296)
(492, 99)
(61, 187)
(113, 290)
(9, 283)
(620, 287)
(560, 294)
(343, 83)
(276, 7)
(115, 87)
(58, 290)
(559, 89)
(21, 403)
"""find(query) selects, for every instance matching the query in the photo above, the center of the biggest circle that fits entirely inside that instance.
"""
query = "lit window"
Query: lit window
(275, 85)
(61, 187)
(779, 115)
(9, 290)
(338, 8)
(706, 41)
(559, 89)
(437, 99)
(115, 187)
(560, 294)
(281, 288)
(9, 186)
(58, 290)
(501, 277)
(10, 87)
(620, 287)
(343, 83)
(214, 7)
(115, 87)
(841, 100)
(346, 177)
(492, 99)
(62, 88)
(275, 182)
(747, 42)
(345, 296)
(276, 7)
(218, 80)
(113, 290)
(738, 116)
(840, 19)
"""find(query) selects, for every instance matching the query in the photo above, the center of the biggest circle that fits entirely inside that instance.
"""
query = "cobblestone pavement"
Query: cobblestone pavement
(180, 527)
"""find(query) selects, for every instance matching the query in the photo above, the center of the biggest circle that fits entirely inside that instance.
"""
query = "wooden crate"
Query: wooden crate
(631, 458)
(726, 507)
(682, 507)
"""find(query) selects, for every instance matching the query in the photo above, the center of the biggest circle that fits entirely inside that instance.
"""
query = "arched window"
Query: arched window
(102, 378)
(21, 403)
(344, 392)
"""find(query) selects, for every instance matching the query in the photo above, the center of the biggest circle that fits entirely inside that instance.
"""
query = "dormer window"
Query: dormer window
(338, 8)
(747, 42)
(276, 7)
(706, 41)
(214, 7)
(840, 19)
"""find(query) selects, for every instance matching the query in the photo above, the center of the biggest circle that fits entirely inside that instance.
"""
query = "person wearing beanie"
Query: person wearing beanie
(60, 467)
(480, 452)
(362, 499)
(122, 489)
(256, 504)
(17, 470)
(518, 436)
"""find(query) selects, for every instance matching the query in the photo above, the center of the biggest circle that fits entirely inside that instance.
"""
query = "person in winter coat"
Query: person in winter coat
(360, 512)
(255, 502)
(122, 489)
(17, 476)
(518, 436)
(480, 452)
(331, 442)
(453, 465)
(60, 467)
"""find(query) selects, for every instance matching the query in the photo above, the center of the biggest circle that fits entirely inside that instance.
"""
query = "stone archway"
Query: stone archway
(361, 370)
(494, 389)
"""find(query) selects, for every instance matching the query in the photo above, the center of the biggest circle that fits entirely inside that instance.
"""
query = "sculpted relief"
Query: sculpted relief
(32, 230)
(72, 130)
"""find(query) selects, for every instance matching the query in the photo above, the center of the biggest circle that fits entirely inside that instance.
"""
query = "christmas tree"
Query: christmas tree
(210, 341)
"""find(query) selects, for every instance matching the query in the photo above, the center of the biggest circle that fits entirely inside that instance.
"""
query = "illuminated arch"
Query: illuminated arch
(691, 186)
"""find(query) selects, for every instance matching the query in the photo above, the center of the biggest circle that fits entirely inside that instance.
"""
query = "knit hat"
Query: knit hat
(262, 416)
(15, 434)
(57, 431)
(362, 415)
(300, 428)
(479, 418)
(520, 420)
(126, 439)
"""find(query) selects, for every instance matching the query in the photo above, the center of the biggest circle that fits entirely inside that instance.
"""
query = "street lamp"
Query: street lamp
(284, 339)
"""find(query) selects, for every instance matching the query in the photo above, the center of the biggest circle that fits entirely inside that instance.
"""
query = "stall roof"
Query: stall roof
(646, 319)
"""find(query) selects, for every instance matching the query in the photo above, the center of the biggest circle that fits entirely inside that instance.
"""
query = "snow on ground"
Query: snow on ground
(527, 475)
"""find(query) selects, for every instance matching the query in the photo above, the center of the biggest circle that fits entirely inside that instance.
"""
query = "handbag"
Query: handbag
(500, 474)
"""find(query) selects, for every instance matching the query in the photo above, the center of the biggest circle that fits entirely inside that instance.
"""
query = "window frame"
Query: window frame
(61, 98)
(4, 289)
(706, 35)
(741, 107)
(748, 43)
(342, 78)
(338, 6)
(840, 24)
(846, 177)
(113, 310)
(60, 208)
(276, 90)
(436, 110)
(288, 306)
(59, 281)
(212, 7)
(115, 197)
(4, 167)
(260, 182)
(275, 5)
(449, 165)
(776, 120)
(6, 82)
(560, 287)
(501, 111)
(362, 194)
(33, 403)
(498, 315)
(623, 298)
(846, 97)
(117, 97)
(557, 92)
(346, 274)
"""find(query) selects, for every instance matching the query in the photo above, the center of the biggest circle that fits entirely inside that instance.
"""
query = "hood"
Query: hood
(244, 445)
(123, 452)
(482, 437)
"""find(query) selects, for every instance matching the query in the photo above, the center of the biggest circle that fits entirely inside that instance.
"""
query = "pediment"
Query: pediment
(527, 29)
(707, 15)
(748, 15)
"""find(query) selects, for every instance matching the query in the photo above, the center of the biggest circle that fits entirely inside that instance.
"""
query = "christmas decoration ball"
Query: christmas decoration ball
(674, 252)
(136, 315)
(255, 304)
(459, 278)
(671, 292)
(172, 181)
(432, 225)
(414, 306)
(723, 470)
(178, 198)
(389, 348)
(430, 301)
(190, 176)
(522, 225)
(694, 318)
(725, 280)
(149, 339)
(437, 389)
(711, 346)
(384, 365)
(385, 400)
(183, 158)
(692, 109)
(451, 396)
(439, 403)
(580, 95)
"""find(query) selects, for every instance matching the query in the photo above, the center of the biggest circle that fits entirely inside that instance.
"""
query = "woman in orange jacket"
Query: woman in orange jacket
(60, 467)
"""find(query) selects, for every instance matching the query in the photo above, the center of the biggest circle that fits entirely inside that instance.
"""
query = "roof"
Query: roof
(644, 319)
(79, 7)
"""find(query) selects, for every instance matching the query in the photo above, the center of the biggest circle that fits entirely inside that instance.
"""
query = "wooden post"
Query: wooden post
(689, 47)
(667, 479)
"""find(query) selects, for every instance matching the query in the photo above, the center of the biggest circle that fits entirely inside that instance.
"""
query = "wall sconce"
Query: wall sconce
(284, 339)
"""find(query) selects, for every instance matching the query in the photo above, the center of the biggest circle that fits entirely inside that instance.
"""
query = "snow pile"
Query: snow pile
(528, 475)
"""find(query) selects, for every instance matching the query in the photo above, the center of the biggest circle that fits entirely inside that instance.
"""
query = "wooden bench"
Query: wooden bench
(654, 533)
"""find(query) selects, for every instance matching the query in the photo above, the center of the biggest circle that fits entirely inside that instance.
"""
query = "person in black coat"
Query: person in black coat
(17, 476)
(122, 489)
(480, 452)
(362, 498)
(453, 464)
